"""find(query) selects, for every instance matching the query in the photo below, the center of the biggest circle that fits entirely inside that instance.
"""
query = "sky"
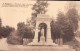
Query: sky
(13, 15)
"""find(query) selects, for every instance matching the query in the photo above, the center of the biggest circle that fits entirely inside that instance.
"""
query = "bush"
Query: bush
(14, 39)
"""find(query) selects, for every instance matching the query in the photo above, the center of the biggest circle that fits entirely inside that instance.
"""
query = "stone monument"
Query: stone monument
(42, 18)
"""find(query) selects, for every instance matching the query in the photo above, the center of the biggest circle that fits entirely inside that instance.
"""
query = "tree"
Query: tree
(52, 29)
(21, 29)
(61, 29)
(72, 15)
(38, 7)
(28, 31)
(0, 22)
(61, 24)
(0, 26)
(6, 31)
(65, 27)
(16, 36)
(67, 24)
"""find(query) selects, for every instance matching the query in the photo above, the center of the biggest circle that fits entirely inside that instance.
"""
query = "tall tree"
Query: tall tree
(28, 31)
(0, 27)
(39, 7)
(72, 15)
(0, 22)
(62, 29)
(21, 29)
(57, 27)
(61, 24)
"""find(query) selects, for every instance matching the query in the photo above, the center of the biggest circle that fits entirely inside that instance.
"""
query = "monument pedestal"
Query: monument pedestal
(42, 43)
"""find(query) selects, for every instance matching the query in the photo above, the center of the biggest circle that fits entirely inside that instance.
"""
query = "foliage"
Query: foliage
(24, 31)
(73, 17)
(0, 27)
(38, 7)
(66, 28)
(62, 28)
(6, 31)
(0, 22)
(28, 33)
(21, 29)
(67, 24)
(14, 39)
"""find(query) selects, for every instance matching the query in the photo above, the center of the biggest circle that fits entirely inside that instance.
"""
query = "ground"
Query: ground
(5, 46)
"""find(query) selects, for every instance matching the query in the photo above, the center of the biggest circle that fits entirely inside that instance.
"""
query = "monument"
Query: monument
(42, 40)
(43, 19)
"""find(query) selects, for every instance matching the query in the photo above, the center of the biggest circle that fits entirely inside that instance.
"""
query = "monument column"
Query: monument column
(49, 39)
(36, 34)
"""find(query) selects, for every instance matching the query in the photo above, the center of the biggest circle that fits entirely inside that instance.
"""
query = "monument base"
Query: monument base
(42, 48)
(42, 44)
(42, 41)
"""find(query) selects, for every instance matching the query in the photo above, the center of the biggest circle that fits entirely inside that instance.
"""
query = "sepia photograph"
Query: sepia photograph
(37, 25)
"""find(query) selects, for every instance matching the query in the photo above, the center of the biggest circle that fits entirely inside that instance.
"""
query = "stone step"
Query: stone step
(41, 48)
